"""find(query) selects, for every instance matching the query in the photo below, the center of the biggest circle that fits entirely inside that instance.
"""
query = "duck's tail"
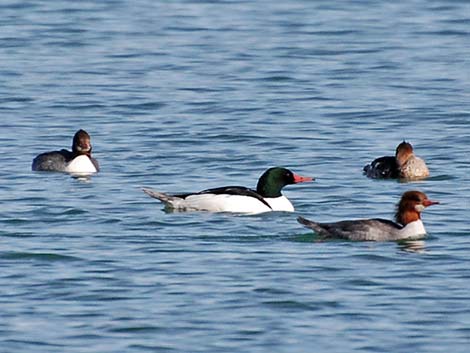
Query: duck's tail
(165, 198)
(317, 228)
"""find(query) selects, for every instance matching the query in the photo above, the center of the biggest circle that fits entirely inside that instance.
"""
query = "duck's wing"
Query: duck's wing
(229, 190)
(382, 168)
(52, 161)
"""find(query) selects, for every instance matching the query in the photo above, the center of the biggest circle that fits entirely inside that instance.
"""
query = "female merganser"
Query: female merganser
(407, 216)
(404, 165)
(77, 161)
(238, 199)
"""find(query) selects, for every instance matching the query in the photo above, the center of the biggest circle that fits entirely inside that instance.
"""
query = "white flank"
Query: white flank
(229, 203)
(81, 165)
(220, 203)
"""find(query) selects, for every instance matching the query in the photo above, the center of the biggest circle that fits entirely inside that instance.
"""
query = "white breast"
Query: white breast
(413, 230)
(81, 165)
(280, 203)
(415, 167)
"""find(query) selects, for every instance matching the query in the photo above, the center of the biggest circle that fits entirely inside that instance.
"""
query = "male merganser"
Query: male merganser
(404, 165)
(77, 161)
(267, 196)
(408, 223)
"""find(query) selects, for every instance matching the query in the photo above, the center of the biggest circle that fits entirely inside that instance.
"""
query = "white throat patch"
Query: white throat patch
(419, 208)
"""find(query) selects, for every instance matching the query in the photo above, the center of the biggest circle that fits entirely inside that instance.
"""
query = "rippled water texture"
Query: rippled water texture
(186, 95)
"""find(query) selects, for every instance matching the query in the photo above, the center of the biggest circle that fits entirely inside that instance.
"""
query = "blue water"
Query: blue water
(186, 95)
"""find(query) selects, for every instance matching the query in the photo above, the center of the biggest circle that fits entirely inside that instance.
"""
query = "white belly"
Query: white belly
(81, 165)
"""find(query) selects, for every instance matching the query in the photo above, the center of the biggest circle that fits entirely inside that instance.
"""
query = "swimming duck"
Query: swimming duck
(405, 165)
(407, 225)
(238, 199)
(79, 160)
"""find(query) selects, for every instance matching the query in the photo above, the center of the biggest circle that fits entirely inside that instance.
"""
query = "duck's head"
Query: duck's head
(81, 143)
(411, 204)
(274, 179)
(403, 152)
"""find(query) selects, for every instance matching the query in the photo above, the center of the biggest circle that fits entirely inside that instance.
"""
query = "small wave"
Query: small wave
(46, 257)
(136, 329)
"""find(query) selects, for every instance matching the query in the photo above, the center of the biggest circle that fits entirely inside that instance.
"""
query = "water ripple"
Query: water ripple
(187, 95)
(42, 257)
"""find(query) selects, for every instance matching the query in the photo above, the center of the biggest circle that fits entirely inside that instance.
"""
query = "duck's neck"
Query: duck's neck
(271, 191)
(403, 156)
(78, 153)
(269, 188)
(408, 217)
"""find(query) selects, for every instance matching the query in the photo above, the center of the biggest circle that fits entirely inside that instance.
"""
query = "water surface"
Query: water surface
(186, 95)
